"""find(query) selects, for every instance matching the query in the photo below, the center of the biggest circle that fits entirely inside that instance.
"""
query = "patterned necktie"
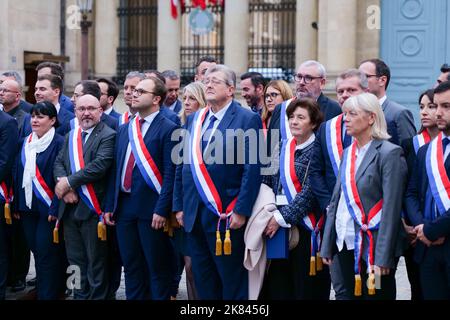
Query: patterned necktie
(130, 166)
(208, 132)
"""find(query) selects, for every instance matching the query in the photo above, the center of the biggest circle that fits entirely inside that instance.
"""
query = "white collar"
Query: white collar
(58, 108)
(220, 114)
(310, 140)
(150, 117)
(89, 131)
(108, 111)
(382, 100)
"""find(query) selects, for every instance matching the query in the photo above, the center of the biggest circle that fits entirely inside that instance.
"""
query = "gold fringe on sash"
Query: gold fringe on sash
(101, 231)
(371, 284)
(218, 244)
(56, 235)
(8, 217)
(358, 285)
(319, 262)
(312, 266)
(227, 243)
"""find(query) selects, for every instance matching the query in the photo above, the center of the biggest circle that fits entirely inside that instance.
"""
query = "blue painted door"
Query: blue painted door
(414, 43)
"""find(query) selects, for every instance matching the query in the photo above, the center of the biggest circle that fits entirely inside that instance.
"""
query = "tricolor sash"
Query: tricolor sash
(366, 222)
(292, 186)
(437, 175)
(421, 139)
(74, 123)
(124, 118)
(335, 144)
(40, 187)
(6, 196)
(204, 184)
(144, 160)
(86, 192)
(284, 121)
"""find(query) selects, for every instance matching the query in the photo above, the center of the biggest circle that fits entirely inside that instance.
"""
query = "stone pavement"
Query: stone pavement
(403, 289)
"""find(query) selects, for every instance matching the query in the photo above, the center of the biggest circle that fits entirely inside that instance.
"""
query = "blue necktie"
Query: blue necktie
(445, 142)
(83, 137)
(208, 132)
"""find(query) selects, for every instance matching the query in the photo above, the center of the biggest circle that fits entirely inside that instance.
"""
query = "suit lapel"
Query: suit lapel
(227, 118)
(368, 158)
(92, 137)
(385, 103)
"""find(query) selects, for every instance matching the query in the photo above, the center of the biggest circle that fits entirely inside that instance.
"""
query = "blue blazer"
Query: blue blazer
(9, 134)
(115, 114)
(66, 103)
(64, 118)
(231, 180)
(110, 121)
(25, 106)
(169, 114)
(44, 162)
(145, 200)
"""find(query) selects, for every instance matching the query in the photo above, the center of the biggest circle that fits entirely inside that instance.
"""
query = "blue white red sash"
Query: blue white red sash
(40, 187)
(284, 121)
(124, 118)
(5, 195)
(203, 182)
(86, 192)
(421, 139)
(366, 223)
(314, 226)
(144, 160)
(335, 145)
(437, 176)
(74, 123)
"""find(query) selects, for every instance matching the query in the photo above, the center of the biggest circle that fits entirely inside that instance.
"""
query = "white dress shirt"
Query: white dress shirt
(345, 229)
(144, 128)
(219, 116)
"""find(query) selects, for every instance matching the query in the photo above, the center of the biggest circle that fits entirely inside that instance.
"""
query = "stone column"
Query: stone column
(106, 37)
(337, 34)
(4, 52)
(306, 34)
(169, 38)
(236, 35)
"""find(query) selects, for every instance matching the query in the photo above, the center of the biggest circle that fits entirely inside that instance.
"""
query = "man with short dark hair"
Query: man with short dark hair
(399, 120)
(252, 86)
(13, 75)
(202, 66)
(55, 69)
(110, 92)
(444, 76)
(131, 81)
(155, 73)
(172, 106)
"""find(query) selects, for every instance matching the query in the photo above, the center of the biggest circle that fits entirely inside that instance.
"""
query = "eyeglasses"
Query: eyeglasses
(140, 92)
(88, 109)
(371, 75)
(271, 95)
(4, 90)
(213, 81)
(306, 78)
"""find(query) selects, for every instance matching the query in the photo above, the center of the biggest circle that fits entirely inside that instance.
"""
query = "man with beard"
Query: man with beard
(252, 86)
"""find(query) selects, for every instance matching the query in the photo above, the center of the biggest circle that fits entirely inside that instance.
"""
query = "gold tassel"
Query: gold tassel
(218, 244)
(312, 266)
(56, 235)
(104, 232)
(227, 243)
(371, 284)
(101, 231)
(358, 285)
(319, 263)
(8, 214)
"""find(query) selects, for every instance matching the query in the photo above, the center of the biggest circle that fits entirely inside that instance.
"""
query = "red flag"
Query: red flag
(213, 2)
(199, 3)
(174, 8)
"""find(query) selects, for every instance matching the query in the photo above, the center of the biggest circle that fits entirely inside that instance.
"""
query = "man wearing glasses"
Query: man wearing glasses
(10, 97)
(400, 121)
(139, 198)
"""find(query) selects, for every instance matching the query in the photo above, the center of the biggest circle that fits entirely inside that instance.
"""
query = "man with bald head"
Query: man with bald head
(81, 170)
(14, 75)
(10, 96)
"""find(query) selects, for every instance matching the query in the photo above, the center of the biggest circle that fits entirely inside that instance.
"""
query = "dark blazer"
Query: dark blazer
(25, 106)
(66, 103)
(415, 202)
(20, 116)
(9, 134)
(64, 118)
(382, 174)
(44, 162)
(400, 122)
(410, 155)
(98, 153)
(110, 121)
(159, 144)
(177, 108)
(231, 180)
(169, 114)
(115, 114)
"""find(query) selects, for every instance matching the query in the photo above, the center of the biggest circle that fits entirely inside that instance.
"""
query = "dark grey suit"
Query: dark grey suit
(400, 122)
(80, 223)
(382, 174)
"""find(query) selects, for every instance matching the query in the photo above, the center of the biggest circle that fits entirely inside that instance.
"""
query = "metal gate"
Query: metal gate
(138, 36)
(195, 46)
(272, 38)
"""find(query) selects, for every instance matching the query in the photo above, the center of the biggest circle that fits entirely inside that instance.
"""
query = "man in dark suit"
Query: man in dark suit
(93, 88)
(81, 190)
(236, 184)
(400, 120)
(427, 205)
(49, 88)
(8, 144)
(173, 83)
(52, 68)
(10, 97)
(110, 91)
(140, 205)
(13, 75)
(310, 80)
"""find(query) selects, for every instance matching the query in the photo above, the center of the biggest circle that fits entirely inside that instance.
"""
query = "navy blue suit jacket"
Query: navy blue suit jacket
(25, 106)
(9, 134)
(144, 200)
(66, 103)
(114, 114)
(415, 201)
(231, 180)
(44, 162)
(169, 114)
(64, 118)
(110, 121)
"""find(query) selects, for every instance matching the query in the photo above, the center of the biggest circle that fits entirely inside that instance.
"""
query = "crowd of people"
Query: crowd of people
(277, 200)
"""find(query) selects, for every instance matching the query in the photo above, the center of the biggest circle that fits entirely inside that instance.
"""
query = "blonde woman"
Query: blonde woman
(364, 217)
(275, 93)
(193, 99)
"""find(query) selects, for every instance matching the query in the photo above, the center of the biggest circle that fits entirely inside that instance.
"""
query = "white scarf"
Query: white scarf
(31, 149)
